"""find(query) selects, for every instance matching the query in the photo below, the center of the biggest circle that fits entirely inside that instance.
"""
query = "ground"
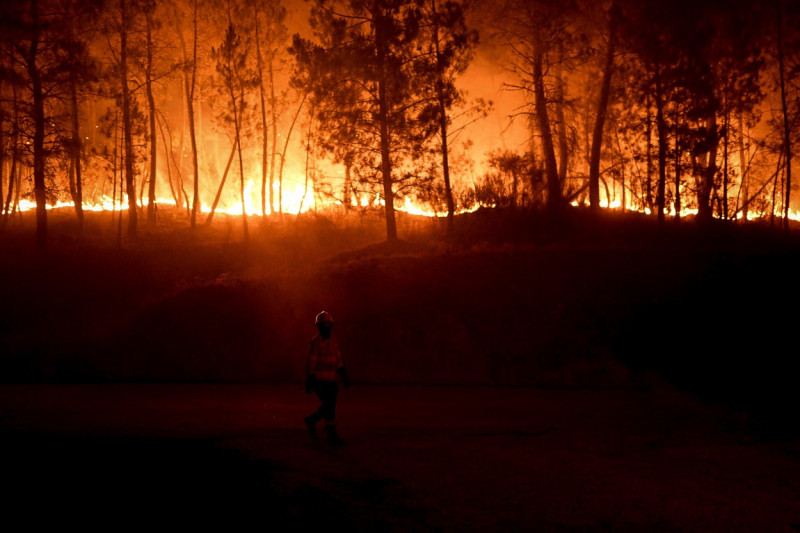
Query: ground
(535, 374)
(415, 458)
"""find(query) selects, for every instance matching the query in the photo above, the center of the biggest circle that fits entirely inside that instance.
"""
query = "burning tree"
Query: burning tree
(236, 79)
(538, 33)
(361, 78)
(450, 45)
(45, 61)
(270, 38)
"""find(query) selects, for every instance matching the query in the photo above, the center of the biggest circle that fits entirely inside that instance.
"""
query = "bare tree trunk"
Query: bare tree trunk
(235, 106)
(704, 212)
(189, 78)
(121, 199)
(383, 105)
(661, 128)
(221, 185)
(602, 108)
(38, 132)
(774, 192)
(274, 107)
(283, 154)
(725, 163)
(76, 181)
(2, 147)
(127, 121)
(264, 144)
(561, 122)
(151, 189)
(448, 190)
(308, 159)
(623, 202)
(649, 156)
(168, 153)
(678, 168)
(190, 103)
(12, 174)
(743, 168)
(17, 191)
(348, 182)
(787, 143)
(115, 165)
(554, 196)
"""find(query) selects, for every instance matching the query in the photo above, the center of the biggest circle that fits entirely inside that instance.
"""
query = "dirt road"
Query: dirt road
(415, 458)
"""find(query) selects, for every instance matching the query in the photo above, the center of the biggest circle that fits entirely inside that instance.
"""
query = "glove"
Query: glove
(309, 383)
(345, 380)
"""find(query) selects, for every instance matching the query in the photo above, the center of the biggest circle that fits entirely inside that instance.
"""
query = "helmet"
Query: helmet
(324, 318)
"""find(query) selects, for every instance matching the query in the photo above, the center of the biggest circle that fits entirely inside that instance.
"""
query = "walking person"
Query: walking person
(324, 370)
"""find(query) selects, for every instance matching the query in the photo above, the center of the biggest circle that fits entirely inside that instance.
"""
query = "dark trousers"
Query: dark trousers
(327, 391)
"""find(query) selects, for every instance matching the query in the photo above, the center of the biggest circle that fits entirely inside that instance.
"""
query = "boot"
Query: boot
(333, 436)
(311, 424)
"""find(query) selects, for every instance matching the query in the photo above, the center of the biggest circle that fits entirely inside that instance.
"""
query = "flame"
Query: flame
(689, 211)
(297, 199)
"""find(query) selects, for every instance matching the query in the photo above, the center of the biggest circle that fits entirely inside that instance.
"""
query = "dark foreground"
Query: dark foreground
(416, 458)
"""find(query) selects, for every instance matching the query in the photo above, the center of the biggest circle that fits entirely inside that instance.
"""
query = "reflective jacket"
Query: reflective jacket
(324, 359)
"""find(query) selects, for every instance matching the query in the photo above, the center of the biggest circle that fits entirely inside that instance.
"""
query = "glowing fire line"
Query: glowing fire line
(297, 200)
(691, 211)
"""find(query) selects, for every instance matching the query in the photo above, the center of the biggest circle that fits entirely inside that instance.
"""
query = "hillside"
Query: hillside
(516, 300)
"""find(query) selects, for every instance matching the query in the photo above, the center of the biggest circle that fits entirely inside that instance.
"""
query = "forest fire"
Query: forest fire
(268, 107)
(559, 239)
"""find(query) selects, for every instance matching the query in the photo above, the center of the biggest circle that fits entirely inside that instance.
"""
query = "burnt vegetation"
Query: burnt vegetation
(498, 193)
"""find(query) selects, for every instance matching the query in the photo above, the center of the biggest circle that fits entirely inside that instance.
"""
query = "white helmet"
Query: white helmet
(324, 317)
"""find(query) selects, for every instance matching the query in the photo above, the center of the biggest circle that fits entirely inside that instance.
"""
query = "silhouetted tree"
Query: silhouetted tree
(34, 44)
(362, 84)
(236, 78)
(449, 50)
(536, 33)
(602, 106)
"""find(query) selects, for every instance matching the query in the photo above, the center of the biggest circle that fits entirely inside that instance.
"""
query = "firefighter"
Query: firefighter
(324, 369)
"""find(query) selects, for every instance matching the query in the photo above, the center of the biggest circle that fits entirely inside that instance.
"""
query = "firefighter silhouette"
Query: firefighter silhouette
(324, 370)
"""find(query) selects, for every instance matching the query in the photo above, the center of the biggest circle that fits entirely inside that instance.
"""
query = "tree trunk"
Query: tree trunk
(448, 190)
(624, 201)
(787, 143)
(127, 121)
(12, 173)
(264, 144)
(743, 168)
(168, 153)
(2, 149)
(117, 165)
(273, 105)
(283, 154)
(76, 179)
(561, 123)
(235, 106)
(38, 132)
(190, 83)
(151, 189)
(602, 108)
(348, 182)
(308, 159)
(661, 127)
(383, 105)
(649, 156)
(725, 163)
(704, 212)
(677, 205)
(221, 185)
(554, 196)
